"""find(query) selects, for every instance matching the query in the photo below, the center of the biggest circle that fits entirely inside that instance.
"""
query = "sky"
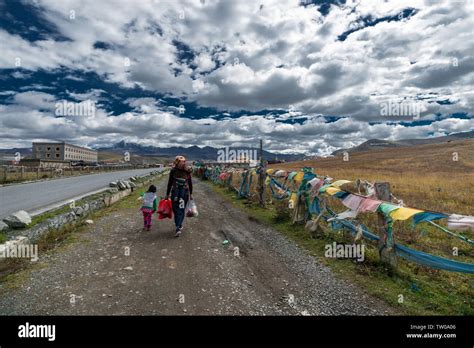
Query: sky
(305, 76)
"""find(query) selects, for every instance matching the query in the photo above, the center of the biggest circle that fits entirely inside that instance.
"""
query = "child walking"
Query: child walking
(148, 206)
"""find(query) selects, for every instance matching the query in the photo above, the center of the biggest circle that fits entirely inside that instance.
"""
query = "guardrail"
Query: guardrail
(12, 174)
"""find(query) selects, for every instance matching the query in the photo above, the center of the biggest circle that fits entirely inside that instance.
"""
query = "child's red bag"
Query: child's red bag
(165, 209)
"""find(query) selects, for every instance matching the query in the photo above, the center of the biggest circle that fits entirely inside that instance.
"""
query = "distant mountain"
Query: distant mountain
(192, 152)
(24, 151)
(211, 153)
(375, 144)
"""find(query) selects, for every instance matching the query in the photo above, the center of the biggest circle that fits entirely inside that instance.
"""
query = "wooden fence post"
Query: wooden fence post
(261, 177)
(5, 174)
(386, 243)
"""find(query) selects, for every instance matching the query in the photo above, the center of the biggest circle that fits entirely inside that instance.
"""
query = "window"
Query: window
(49, 148)
(39, 148)
(57, 155)
(48, 155)
(57, 148)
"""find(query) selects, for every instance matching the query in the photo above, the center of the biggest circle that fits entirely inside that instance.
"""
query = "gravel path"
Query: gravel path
(193, 274)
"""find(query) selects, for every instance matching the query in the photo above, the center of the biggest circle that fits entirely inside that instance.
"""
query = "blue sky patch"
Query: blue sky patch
(370, 21)
(23, 19)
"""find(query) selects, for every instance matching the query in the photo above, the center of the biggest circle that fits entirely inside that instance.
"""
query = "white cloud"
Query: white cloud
(35, 100)
(159, 128)
(313, 64)
(204, 62)
(287, 56)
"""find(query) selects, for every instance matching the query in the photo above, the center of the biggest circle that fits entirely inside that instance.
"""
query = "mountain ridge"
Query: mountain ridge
(193, 152)
(372, 144)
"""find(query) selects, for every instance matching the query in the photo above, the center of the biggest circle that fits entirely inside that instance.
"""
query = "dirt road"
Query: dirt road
(193, 274)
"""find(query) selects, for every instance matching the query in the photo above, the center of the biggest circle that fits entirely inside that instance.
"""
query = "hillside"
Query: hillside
(108, 156)
(376, 144)
(424, 176)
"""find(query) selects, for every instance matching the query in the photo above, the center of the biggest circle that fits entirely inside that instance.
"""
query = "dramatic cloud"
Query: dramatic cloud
(240, 70)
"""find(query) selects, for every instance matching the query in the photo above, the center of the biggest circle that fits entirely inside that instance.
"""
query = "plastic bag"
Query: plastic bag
(165, 209)
(191, 209)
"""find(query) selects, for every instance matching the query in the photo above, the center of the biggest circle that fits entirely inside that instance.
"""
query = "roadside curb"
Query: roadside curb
(60, 177)
(76, 215)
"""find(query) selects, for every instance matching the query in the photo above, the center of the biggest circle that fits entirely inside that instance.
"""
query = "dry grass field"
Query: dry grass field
(429, 177)
(425, 177)
(437, 177)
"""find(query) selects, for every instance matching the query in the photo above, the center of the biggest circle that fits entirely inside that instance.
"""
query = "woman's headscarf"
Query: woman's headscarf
(180, 163)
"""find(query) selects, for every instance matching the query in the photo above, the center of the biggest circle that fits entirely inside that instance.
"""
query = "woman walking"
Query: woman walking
(180, 186)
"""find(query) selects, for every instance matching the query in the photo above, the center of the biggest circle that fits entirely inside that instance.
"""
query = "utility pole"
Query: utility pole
(261, 177)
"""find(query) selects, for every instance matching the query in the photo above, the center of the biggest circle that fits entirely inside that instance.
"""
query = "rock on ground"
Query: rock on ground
(19, 219)
(258, 272)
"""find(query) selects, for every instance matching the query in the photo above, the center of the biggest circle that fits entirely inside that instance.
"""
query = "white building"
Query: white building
(64, 152)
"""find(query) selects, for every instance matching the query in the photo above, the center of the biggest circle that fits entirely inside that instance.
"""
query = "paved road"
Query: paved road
(36, 195)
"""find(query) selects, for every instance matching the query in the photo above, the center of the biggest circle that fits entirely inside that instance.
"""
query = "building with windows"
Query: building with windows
(64, 152)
